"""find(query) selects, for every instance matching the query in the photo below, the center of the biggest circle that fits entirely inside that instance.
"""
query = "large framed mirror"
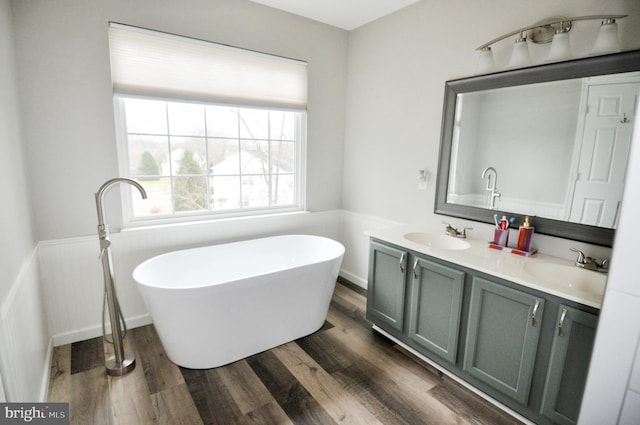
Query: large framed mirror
(549, 141)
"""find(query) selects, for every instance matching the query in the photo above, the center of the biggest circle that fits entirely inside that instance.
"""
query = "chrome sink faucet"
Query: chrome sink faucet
(491, 185)
(591, 263)
(456, 233)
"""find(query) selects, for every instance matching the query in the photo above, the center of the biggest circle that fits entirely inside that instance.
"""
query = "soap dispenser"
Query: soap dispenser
(525, 234)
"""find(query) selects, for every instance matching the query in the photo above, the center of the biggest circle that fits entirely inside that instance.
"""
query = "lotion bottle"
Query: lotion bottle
(525, 234)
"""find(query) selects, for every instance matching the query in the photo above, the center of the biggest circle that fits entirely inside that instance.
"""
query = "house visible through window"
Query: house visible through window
(207, 128)
(194, 157)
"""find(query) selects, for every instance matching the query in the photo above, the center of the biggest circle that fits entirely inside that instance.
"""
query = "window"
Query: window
(202, 158)
(207, 128)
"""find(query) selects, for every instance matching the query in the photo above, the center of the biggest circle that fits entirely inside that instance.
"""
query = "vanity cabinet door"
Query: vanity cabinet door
(502, 337)
(436, 305)
(386, 286)
(568, 365)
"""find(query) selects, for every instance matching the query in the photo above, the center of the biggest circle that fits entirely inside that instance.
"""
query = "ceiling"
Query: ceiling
(345, 14)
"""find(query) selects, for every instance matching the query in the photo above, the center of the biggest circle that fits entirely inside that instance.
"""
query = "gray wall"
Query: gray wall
(24, 339)
(66, 94)
(397, 70)
(17, 241)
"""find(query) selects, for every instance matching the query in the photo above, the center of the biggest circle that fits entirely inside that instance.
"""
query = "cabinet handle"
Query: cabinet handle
(563, 316)
(535, 311)
(415, 266)
(402, 257)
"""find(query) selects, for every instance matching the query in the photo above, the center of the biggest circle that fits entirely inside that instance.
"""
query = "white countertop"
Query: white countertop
(504, 265)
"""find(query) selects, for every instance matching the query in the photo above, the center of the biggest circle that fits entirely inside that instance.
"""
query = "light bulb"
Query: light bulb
(485, 60)
(607, 40)
(560, 49)
(520, 55)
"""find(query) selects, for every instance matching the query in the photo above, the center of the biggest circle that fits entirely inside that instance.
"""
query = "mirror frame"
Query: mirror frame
(578, 68)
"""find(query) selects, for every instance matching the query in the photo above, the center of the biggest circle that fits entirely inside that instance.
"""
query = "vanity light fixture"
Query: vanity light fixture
(560, 48)
(554, 30)
(607, 40)
(485, 61)
(520, 55)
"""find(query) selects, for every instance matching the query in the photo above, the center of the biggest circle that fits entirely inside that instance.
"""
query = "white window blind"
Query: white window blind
(151, 63)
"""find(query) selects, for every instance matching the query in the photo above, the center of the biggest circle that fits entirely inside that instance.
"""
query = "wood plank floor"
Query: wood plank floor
(343, 374)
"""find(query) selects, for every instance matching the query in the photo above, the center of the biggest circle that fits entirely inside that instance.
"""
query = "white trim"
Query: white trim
(96, 331)
(353, 278)
(379, 221)
(208, 220)
(46, 375)
(70, 241)
(15, 286)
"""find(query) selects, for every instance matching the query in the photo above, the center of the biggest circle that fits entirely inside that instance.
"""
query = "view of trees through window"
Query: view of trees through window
(193, 157)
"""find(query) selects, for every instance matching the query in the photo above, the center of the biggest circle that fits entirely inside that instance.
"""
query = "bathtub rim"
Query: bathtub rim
(339, 254)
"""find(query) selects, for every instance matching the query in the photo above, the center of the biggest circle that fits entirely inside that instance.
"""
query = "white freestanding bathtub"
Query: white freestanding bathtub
(217, 304)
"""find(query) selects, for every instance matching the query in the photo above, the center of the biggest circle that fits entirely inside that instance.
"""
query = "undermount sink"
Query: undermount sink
(569, 276)
(437, 241)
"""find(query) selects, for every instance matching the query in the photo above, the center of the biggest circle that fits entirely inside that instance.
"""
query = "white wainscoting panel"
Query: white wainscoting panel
(2, 396)
(356, 258)
(72, 274)
(25, 346)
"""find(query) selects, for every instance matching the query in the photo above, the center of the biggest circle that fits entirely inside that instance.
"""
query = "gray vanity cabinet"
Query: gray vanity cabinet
(386, 286)
(568, 365)
(435, 307)
(502, 337)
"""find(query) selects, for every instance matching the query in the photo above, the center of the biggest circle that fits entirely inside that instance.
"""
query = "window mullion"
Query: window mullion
(269, 165)
(171, 175)
(240, 200)
(207, 171)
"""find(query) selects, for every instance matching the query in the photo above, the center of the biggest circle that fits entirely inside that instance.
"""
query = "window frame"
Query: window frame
(128, 218)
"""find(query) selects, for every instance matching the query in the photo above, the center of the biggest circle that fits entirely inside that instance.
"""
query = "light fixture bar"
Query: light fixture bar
(548, 22)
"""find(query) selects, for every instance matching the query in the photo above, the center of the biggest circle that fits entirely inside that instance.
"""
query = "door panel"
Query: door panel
(436, 305)
(569, 364)
(386, 286)
(502, 337)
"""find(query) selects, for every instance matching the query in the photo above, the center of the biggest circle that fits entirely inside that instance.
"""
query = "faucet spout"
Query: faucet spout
(489, 170)
(491, 185)
(100, 199)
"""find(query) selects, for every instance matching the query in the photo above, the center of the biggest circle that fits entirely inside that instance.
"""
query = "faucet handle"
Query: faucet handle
(581, 257)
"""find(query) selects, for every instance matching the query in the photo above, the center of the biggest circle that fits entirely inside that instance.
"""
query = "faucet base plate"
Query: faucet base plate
(114, 369)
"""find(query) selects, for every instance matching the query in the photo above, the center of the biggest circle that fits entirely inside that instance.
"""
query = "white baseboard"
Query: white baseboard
(94, 331)
(354, 226)
(351, 277)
